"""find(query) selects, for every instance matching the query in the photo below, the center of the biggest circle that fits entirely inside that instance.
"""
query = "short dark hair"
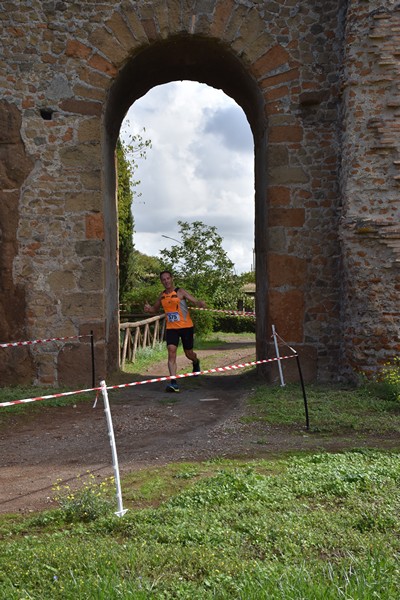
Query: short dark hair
(163, 273)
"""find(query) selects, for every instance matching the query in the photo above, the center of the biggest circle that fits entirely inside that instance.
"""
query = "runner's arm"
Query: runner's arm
(198, 303)
(148, 308)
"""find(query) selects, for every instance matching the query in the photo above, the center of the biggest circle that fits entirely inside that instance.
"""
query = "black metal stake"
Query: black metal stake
(92, 348)
(304, 392)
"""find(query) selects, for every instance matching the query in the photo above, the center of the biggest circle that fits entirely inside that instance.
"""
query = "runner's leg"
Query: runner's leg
(187, 342)
(172, 359)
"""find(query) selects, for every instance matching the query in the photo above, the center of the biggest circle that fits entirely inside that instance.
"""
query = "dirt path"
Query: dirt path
(151, 427)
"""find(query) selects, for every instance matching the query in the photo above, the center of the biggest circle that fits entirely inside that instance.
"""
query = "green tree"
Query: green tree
(125, 221)
(201, 265)
(145, 282)
(200, 260)
(127, 163)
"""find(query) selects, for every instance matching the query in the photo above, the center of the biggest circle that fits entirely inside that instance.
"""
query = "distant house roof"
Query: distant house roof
(249, 288)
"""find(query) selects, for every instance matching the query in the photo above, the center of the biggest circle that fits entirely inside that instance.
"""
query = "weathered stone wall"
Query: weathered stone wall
(370, 223)
(15, 166)
(317, 81)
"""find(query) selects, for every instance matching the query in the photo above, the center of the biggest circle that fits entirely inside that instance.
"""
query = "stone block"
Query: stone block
(94, 77)
(287, 175)
(308, 358)
(76, 49)
(135, 24)
(9, 214)
(278, 156)
(278, 195)
(285, 133)
(101, 64)
(83, 202)
(287, 314)
(274, 58)
(150, 29)
(87, 92)
(91, 180)
(17, 366)
(94, 226)
(89, 131)
(257, 48)
(14, 165)
(107, 44)
(92, 275)
(286, 270)
(81, 107)
(271, 81)
(121, 31)
(239, 14)
(10, 123)
(68, 358)
(286, 217)
(251, 28)
(88, 248)
(88, 305)
(81, 157)
(222, 14)
(277, 239)
(60, 281)
(95, 326)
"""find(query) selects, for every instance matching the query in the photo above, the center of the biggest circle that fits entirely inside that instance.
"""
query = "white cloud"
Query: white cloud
(230, 125)
(200, 167)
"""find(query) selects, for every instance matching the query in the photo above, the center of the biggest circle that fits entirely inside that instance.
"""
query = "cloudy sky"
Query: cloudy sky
(200, 168)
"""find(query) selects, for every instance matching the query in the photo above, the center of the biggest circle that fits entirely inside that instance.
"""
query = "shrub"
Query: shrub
(387, 383)
(232, 324)
(203, 322)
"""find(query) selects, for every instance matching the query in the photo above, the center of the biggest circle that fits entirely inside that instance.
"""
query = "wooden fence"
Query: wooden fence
(140, 334)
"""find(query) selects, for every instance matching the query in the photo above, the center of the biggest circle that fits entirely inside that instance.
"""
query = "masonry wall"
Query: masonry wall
(323, 111)
(370, 221)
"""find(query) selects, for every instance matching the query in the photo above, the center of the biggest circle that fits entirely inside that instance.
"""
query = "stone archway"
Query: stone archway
(72, 104)
(326, 166)
(206, 61)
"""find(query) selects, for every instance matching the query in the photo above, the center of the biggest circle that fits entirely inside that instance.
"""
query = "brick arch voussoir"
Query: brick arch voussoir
(277, 74)
(133, 27)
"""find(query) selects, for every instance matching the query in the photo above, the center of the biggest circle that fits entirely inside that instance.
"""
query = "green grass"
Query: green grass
(9, 394)
(311, 526)
(220, 338)
(321, 526)
(332, 410)
(145, 357)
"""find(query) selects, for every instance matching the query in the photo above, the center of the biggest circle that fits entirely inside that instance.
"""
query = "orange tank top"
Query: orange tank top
(176, 310)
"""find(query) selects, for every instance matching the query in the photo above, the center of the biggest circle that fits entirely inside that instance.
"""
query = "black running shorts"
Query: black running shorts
(185, 334)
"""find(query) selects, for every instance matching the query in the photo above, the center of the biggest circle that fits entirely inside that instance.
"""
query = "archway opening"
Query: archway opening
(194, 59)
(200, 168)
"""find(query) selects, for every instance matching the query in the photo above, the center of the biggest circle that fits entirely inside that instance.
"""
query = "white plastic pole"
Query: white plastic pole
(121, 511)
(277, 356)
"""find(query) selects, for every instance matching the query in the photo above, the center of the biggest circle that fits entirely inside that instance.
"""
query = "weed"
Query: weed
(87, 503)
(386, 384)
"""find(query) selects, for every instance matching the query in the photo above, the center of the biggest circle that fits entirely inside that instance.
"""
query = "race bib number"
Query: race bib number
(173, 317)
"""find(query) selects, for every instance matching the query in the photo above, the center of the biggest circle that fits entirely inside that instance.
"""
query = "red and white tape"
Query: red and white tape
(26, 400)
(236, 313)
(155, 380)
(30, 343)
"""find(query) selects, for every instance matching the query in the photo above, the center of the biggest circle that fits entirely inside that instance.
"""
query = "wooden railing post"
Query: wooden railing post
(147, 339)
(126, 340)
(156, 330)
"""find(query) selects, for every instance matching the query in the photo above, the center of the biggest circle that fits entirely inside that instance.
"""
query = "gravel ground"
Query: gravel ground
(203, 421)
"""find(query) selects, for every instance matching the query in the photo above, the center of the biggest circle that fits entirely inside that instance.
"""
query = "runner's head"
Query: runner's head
(166, 279)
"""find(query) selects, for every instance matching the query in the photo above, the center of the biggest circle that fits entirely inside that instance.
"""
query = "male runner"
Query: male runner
(179, 324)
